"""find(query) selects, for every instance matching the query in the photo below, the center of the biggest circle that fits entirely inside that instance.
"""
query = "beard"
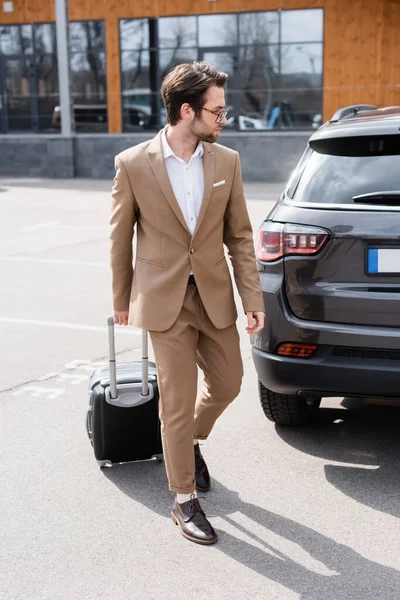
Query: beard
(202, 132)
(208, 137)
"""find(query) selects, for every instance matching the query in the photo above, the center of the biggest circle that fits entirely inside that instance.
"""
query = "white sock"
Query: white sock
(180, 498)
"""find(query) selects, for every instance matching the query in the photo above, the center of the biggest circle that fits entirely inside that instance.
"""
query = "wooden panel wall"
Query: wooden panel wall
(29, 11)
(351, 52)
(113, 76)
(361, 53)
(389, 67)
(361, 50)
(124, 9)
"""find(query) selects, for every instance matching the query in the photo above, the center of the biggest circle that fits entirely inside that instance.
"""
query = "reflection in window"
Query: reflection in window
(84, 36)
(226, 62)
(217, 30)
(299, 93)
(46, 89)
(301, 58)
(29, 94)
(135, 69)
(134, 35)
(301, 25)
(258, 82)
(177, 32)
(171, 58)
(45, 38)
(273, 59)
(17, 99)
(15, 39)
(136, 94)
(258, 28)
(88, 76)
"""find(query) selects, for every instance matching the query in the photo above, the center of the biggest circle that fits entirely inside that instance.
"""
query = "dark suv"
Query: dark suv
(329, 261)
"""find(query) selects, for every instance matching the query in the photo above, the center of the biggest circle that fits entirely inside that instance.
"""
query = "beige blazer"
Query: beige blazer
(153, 291)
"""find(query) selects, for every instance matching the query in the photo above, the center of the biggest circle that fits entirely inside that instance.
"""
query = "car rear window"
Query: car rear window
(337, 170)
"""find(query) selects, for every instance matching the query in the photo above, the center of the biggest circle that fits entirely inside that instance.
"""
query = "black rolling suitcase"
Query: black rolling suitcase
(122, 420)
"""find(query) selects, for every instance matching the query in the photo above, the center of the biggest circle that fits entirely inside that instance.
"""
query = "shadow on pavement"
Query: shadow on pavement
(351, 575)
(368, 437)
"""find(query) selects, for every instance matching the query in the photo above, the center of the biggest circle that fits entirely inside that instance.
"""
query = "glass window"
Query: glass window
(297, 173)
(88, 35)
(46, 76)
(134, 35)
(304, 58)
(300, 92)
(302, 25)
(88, 76)
(227, 62)
(258, 28)
(177, 32)
(135, 70)
(45, 38)
(46, 90)
(259, 68)
(141, 105)
(273, 59)
(16, 39)
(17, 101)
(29, 91)
(143, 67)
(171, 58)
(336, 179)
(217, 30)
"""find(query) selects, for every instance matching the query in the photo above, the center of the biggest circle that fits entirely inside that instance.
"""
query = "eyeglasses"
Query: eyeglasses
(221, 115)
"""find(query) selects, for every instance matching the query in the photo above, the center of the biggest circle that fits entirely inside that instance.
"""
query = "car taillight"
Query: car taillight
(296, 350)
(276, 240)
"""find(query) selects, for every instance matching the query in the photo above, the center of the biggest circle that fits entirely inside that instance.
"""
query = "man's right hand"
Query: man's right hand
(121, 317)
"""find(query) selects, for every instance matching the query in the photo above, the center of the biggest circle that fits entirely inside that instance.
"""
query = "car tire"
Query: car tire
(287, 410)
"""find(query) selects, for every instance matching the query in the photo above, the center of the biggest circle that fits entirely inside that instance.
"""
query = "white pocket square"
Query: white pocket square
(219, 183)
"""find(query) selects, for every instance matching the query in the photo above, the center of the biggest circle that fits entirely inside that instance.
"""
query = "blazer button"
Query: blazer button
(191, 250)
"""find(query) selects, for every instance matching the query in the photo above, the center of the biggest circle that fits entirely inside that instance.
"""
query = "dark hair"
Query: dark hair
(189, 82)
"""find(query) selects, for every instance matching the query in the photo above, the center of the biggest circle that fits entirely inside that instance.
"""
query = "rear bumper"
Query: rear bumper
(281, 325)
(327, 375)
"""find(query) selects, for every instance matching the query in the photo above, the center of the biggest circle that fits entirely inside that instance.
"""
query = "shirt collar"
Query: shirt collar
(167, 150)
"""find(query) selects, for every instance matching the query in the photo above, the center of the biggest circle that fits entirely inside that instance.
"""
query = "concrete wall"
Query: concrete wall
(264, 156)
(36, 156)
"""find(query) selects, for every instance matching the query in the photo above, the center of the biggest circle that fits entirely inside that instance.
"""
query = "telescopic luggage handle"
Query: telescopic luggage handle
(113, 364)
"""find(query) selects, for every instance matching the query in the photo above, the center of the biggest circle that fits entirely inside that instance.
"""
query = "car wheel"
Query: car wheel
(287, 410)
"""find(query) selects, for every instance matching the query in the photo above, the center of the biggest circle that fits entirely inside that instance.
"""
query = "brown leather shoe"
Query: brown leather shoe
(193, 522)
(202, 475)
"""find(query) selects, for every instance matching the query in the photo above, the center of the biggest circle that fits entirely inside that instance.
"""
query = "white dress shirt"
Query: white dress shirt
(187, 180)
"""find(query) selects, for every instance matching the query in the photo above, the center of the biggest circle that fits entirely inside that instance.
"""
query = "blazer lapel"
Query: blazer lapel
(157, 163)
(208, 168)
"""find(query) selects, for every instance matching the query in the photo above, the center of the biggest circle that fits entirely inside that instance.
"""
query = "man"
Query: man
(185, 194)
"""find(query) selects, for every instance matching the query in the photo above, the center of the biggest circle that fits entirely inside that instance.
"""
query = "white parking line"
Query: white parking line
(120, 329)
(39, 226)
(89, 227)
(56, 225)
(54, 261)
(36, 390)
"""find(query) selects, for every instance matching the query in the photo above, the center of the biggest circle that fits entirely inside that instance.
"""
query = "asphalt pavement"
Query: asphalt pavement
(310, 513)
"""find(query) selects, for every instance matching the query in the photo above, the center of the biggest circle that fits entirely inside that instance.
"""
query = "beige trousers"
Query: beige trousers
(193, 341)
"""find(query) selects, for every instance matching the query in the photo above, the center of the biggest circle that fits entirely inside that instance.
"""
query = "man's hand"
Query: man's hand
(121, 317)
(255, 322)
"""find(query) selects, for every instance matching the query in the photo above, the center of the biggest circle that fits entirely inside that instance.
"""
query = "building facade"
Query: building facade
(291, 65)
